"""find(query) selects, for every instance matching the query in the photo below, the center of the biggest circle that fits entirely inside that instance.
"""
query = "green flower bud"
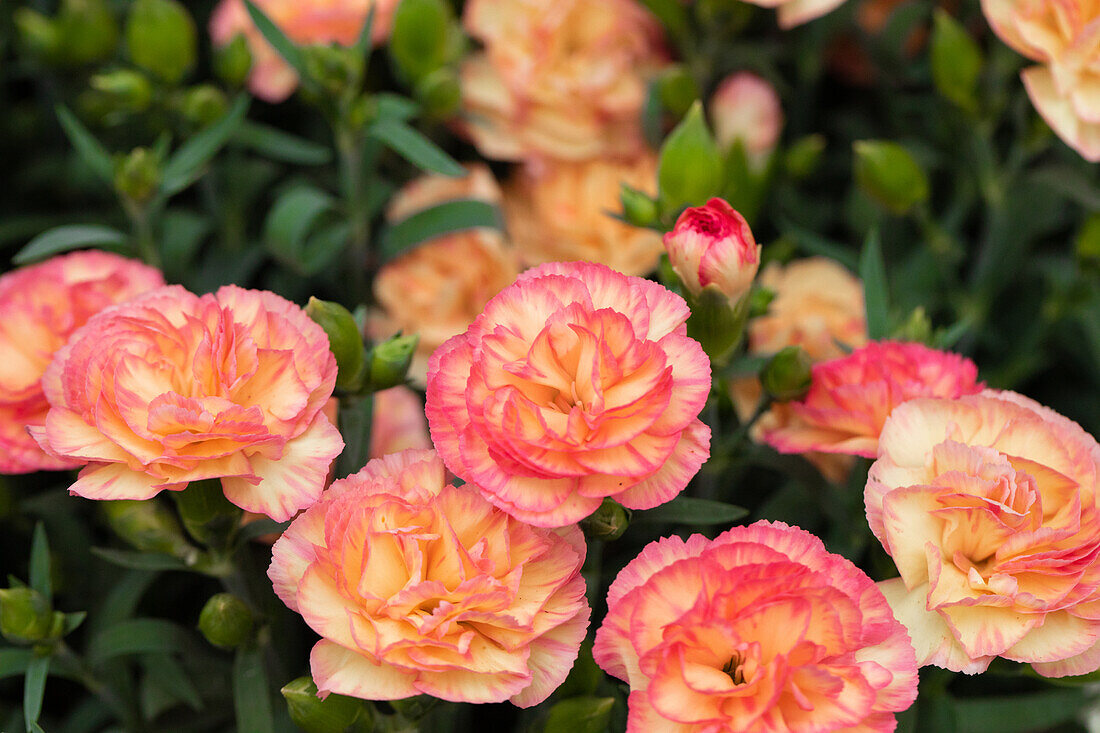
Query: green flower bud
(233, 61)
(917, 327)
(608, 522)
(203, 104)
(956, 60)
(162, 39)
(690, 168)
(787, 375)
(759, 300)
(803, 156)
(334, 714)
(225, 621)
(137, 175)
(147, 525)
(677, 89)
(335, 69)
(638, 208)
(207, 515)
(87, 31)
(128, 91)
(419, 40)
(343, 340)
(390, 361)
(38, 35)
(26, 616)
(580, 715)
(888, 173)
(439, 93)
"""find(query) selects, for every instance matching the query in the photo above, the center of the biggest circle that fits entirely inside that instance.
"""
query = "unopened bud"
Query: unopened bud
(39, 36)
(207, 515)
(745, 107)
(439, 93)
(690, 168)
(788, 374)
(137, 175)
(161, 38)
(204, 104)
(146, 525)
(638, 208)
(390, 361)
(335, 69)
(419, 39)
(608, 522)
(26, 616)
(233, 61)
(334, 714)
(956, 60)
(225, 621)
(344, 341)
(127, 90)
(88, 31)
(889, 174)
(712, 247)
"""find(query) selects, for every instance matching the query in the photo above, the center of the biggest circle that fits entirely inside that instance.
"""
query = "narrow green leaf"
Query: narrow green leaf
(260, 527)
(363, 42)
(278, 40)
(40, 563)
(90, 150)
(14, 662)
(692, 511)
(73, 621)
(250, 694)
(324, 246)
(273, 143)
(354, 418)
(168, 674)
(139, 560)
(876, 298)
(181, 235)
(450, 216)
(186, 164)
(395, 106)
(137, 636)
(34, 688)
(411, 145)
(123, 598)
(290, 221)
(72, 236)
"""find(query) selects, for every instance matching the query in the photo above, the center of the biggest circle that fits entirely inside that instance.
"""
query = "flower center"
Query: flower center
(735, 668)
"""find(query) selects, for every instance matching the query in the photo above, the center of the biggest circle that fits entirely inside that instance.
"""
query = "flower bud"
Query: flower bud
(888, 173)
(787, 375)
(334, 714)
(917, 327)
(639, 208)
(335, 70)
(127, 90)
(233, 61)
(677, 89)
(26, 616)
(87, 31)
(759, 300)
(147, 526)
(203, 104)
(745, 107)
(137, 175)
(419, 40)
(439, 93)
(206, 513)
(344, 341)
(608, 522)
(390, 361)
(225, 621)
(712, 246)
(803, 155)
(39, 36)
(956, 60)
(161, 38)
(690, 168)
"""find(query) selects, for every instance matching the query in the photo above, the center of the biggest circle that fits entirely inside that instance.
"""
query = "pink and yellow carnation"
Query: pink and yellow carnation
(851, 397)
(796, 12)
(576, 383)
(987, 504)
(712, 246)
(419, 587)
(40, 307)
(761, 629)
(172, 387)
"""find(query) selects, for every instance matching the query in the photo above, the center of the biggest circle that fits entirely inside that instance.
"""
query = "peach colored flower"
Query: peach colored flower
(797, 12)
(171, 387)
(576, 383)
(307, 22)
(563, 79)
(398, 422)
(416, 586)
(851, 397)
(988, 506)
(712, 246)
(437, 289)
(40, 306)
(745, 107)
(559, 211)
(760, 629)
(1064, 37)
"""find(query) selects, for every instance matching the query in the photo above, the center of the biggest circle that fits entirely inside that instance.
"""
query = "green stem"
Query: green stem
(350, 149)
(142, 225)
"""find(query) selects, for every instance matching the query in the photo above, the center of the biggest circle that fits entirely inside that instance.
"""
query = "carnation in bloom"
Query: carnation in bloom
(576, 383)
(760, 629)
(172, 387)
(712, 247)
(397, 422)
(1064, 37)
(40, 306)
(308, 22)
(745, 107)
(437, 289)
(987, 504)
(797, 12)
(563, 79)
(558, 211)
(417, 586)
(850, 398)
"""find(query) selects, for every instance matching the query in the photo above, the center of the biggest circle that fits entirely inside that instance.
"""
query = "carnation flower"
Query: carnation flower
(40, 306)
(797, 12)
(745, 107)
(760, 629)
(712, 246)
(988, 506)
(171, 388)
(417, 586)
(576, 383)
